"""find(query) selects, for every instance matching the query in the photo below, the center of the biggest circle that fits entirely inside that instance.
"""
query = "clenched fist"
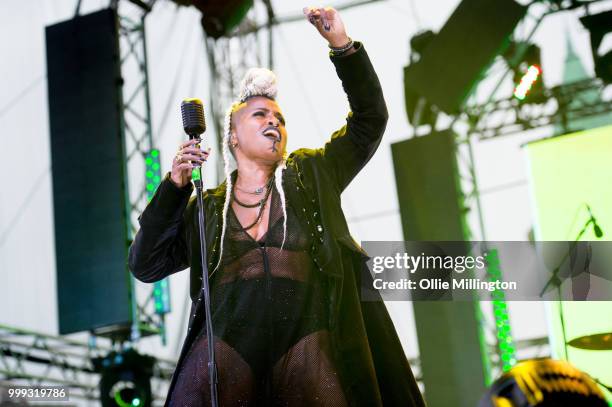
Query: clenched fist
(329, 24)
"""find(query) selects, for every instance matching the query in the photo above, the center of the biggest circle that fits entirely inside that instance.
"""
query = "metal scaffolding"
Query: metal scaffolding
(138, 143)
(136, 108)
(562, 104)
(35, 359)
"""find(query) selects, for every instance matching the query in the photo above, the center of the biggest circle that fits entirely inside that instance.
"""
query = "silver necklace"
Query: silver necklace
(257, 191)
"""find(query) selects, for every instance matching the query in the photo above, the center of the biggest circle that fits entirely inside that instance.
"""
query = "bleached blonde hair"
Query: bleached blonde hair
(256, 82)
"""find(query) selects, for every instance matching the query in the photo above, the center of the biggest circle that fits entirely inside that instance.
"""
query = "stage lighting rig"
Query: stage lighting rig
(445, 74)
(219, 17)
(146, 6)
(559, 5)
(418, 44)
(524, 61)
(125, 379)
(600, 25)
(418, 109)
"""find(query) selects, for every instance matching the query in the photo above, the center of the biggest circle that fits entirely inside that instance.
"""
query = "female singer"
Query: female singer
(284, 272)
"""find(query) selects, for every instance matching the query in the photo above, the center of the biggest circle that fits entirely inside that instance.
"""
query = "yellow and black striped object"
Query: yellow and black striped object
(544, 383)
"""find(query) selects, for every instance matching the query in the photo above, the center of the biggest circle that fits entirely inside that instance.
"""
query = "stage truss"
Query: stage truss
(562, 105)
(35, 359)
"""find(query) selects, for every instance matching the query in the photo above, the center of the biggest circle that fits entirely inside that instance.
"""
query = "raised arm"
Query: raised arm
(352, 146)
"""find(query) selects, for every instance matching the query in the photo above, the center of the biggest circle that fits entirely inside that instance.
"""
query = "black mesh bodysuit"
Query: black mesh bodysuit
(270, 324)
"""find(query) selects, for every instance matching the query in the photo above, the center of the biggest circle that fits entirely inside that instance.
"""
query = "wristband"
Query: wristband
(336, 51)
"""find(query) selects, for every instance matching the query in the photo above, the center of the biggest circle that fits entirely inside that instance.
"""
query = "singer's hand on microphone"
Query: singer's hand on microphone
(185, 159)
(329, 24)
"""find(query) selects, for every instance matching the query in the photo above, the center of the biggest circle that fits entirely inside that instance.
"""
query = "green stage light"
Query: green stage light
(161, 296)
(161, 289)
(152, 172)
(500, 311)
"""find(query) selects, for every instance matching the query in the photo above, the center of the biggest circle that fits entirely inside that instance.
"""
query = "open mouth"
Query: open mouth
(272, 132)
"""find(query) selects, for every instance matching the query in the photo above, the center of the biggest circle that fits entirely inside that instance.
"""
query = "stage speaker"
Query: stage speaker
(455, 59)
(87, 155)
(432, 209)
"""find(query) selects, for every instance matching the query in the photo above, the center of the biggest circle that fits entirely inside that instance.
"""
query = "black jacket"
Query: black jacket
(367, 347)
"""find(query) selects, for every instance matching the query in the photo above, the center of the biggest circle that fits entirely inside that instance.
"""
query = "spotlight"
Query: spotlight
(219, 17)
(599, 25)
(418, 109)
(419, 43)
(453, 60)
(126, 379)
(524, 60)
(527, 81)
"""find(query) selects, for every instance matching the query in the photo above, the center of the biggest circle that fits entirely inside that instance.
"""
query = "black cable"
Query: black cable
(503, 187)
(194, 75)
(170, 99)
(270, 23)
(21, 94)
(415, 14)
(406, 12)
(187, 303)
(379, 214)
(27, 201)
(209, 47)
(169, 33)
(300, 82)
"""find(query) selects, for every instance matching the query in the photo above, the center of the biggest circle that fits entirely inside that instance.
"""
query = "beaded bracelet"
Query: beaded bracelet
(336, 51)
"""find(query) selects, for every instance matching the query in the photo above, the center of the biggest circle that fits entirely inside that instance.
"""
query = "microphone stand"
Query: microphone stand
(556, 282)
(212, 366)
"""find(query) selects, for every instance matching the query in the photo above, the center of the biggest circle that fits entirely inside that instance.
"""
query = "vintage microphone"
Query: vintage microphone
(192, 111)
